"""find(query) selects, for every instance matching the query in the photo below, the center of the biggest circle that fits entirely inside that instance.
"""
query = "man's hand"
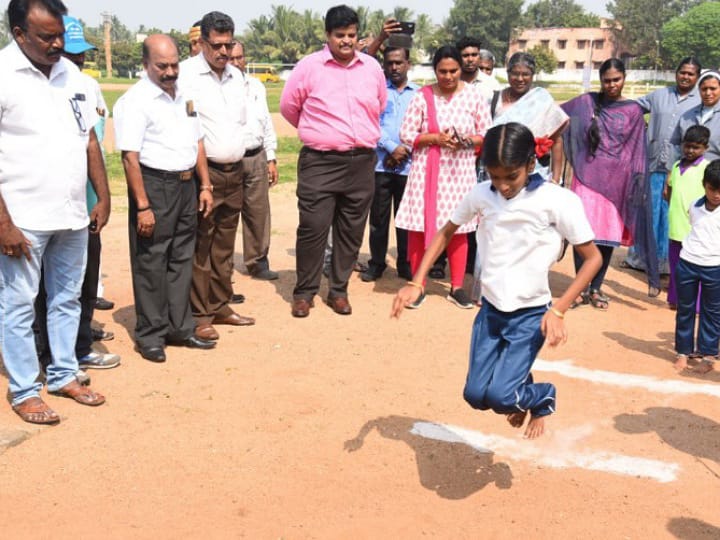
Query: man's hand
(205, 202)
(272, 172)
(100, 215)
(13, 241)
(400, 154)
(145, 223)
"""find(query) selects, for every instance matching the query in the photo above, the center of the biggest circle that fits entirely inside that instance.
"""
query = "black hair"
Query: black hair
(17, 11)
(340, 17)
(521, 58)
(217, 21)
(465, 42)
(393, 49)
(508, 145)
(594, 130)
(697, 134)
(446, 51)
(690, 61)
(197, 23)
(712, 175)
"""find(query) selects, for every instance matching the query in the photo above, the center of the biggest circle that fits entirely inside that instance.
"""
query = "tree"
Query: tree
(545, 59)
(4, 30)
(491, 21)
(639, 23)
(559, 13)
(694, 33)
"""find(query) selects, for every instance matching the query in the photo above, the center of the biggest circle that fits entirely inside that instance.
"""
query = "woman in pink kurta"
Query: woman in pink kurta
(444, 123)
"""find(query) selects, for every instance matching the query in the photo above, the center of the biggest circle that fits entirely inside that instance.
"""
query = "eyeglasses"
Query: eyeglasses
(78, 115)
(217, 46)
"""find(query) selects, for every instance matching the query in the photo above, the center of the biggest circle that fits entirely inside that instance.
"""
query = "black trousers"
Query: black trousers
(88, 295)
(389, 189)
(161, 264)
(334, 188)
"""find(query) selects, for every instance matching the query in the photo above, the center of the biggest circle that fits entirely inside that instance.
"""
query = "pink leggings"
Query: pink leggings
(457, 251)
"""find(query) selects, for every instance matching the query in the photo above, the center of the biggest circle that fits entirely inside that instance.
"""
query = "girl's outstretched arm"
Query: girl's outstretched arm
(409, 293)
(552, 325)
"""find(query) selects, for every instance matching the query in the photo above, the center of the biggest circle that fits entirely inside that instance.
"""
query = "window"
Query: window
(561, 65)
(596, 65)
(599, 43)
(561, 43)
(580, 44)
(545, 43)
(522, 43)
(579, 65)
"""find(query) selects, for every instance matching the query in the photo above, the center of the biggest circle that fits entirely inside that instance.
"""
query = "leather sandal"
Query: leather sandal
(35, 411)
(82, 394)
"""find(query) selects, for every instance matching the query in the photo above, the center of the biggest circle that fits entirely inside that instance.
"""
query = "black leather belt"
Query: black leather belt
(182, 176)
(225, 167)
(253, 152)
(358, 151)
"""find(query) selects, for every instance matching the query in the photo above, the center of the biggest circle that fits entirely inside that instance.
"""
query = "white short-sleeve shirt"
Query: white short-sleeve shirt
(519, 239)
(164, 130)
(45, 125)
(221, 107)
(702, 244)
(259, 130)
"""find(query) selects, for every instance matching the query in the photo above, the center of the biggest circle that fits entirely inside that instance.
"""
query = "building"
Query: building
(574, 48)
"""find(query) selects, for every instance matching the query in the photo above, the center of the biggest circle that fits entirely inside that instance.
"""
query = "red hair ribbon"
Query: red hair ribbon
(543, 146)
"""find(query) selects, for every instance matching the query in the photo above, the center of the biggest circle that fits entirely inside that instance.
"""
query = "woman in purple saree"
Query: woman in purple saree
(605, 144)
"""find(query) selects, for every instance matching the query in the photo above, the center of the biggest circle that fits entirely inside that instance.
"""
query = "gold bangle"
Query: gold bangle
(559, 314)
(412, 283)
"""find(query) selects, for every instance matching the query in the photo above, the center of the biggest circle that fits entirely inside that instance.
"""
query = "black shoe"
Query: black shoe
(194, 342)
(404, 272)
(102, 304)
(370, 275)
(265, 275)
(98, 334)
(237, 298)
(154, 354)
(437, 272)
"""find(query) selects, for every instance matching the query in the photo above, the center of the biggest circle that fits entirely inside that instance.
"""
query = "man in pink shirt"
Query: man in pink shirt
(334, 98)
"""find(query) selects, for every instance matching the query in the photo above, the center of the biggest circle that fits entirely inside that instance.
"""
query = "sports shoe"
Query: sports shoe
(96, 360)
(417, 303)
(460, 298)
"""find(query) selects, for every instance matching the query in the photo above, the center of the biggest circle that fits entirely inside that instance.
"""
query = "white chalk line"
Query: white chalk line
(554, 454)
(626, 380)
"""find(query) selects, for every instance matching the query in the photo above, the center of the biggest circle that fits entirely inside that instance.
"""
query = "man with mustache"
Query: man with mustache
(48, 152)
(217, 90)
(334, 97)
(162, 147)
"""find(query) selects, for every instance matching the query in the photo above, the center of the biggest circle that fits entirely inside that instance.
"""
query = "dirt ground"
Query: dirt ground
(321, 427)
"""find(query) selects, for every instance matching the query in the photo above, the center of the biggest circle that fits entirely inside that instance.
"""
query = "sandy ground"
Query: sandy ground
(323, 427)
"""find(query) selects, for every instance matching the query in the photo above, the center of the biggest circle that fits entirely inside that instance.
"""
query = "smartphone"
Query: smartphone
(407, 28)
(93, 226)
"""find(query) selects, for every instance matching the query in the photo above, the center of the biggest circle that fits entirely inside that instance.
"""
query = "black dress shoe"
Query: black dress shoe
(237, 298)
(194, 342)
(102, 304)
(265, 275)
(154, 354)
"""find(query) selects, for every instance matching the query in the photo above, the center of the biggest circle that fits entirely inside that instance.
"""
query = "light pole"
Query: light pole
(657, 59)
(107, 23)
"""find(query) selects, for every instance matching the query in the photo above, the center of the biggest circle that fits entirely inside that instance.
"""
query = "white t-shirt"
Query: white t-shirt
(221, 107)
(519, 239)
(162, 129)
(702, 244)
(45, 125)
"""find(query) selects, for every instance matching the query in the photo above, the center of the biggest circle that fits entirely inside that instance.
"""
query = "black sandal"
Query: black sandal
(598, 300)
(582, 300)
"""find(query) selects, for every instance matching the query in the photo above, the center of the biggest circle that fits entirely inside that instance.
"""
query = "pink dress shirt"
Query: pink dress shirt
(335, 107)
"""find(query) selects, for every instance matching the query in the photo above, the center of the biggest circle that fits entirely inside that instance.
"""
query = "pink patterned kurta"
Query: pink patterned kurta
(468, 111)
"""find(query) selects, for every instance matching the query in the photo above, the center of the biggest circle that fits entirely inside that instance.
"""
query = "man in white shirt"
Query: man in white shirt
(219, 97)
(48, 152)
(259, 173)
(158, 132)
(477, 66)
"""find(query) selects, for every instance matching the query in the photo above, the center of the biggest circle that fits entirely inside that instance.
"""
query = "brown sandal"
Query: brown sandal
(35, 411)
(82, 394)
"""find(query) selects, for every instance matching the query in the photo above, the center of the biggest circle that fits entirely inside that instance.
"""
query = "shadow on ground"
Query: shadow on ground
(452, 470)
(692, 529)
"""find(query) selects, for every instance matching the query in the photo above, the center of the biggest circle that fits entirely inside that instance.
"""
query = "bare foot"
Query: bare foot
(706, 366)
(516, 419)
(681, 363)
(535, 427)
